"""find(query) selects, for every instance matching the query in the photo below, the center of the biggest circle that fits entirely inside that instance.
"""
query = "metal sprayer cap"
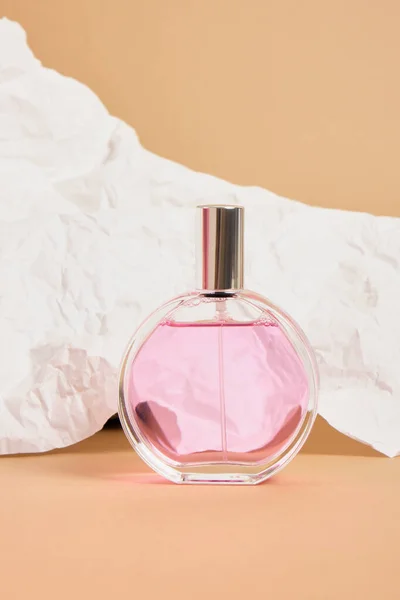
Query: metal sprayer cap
(220, 248)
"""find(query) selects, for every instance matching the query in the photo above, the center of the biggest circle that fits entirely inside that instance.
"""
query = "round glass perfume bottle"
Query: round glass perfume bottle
(218, 385)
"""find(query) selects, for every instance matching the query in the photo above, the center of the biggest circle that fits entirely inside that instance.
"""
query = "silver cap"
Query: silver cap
(220, 259)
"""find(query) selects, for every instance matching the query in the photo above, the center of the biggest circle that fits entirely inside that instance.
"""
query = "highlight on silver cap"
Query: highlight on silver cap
(220, 259)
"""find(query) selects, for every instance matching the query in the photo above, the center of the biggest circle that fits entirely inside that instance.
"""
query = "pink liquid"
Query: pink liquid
(217, 392)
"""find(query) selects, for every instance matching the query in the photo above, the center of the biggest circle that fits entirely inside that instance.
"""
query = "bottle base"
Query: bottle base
(222, 479)
(219, 474)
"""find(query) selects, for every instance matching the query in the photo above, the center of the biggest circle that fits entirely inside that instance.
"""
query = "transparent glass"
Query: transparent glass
(218, 388)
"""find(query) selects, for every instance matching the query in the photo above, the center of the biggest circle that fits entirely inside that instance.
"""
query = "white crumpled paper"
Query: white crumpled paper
(95, 232)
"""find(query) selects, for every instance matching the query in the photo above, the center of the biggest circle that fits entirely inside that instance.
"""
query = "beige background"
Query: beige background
(300, 97)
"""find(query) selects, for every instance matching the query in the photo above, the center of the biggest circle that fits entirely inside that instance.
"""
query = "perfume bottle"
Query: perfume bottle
(218, 385)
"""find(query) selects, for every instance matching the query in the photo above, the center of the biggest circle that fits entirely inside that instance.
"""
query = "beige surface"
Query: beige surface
(299, 97)
(92, 522)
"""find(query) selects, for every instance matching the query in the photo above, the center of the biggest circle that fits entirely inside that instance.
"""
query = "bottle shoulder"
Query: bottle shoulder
(242, 305)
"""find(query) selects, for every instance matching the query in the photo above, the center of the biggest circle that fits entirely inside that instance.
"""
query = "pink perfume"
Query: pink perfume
(218, 385)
